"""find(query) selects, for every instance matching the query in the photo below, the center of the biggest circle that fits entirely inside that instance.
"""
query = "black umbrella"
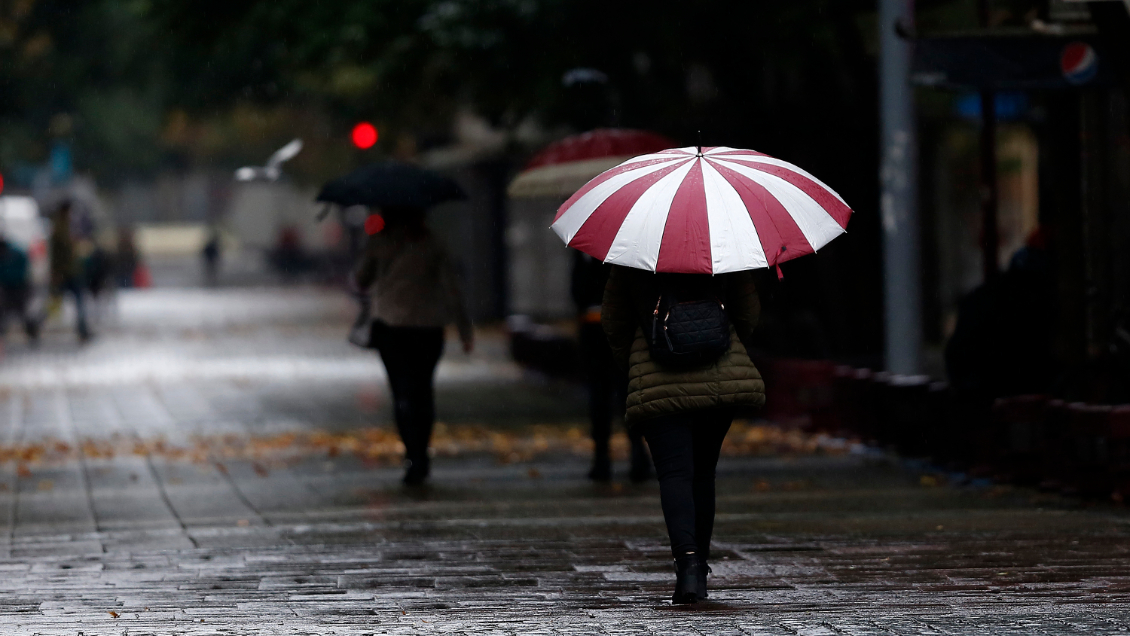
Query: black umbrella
(391, 184)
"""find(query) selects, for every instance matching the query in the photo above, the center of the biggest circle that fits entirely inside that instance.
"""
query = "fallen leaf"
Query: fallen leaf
(114, 614)
(46, 485)
(259, 469)
(23, 471)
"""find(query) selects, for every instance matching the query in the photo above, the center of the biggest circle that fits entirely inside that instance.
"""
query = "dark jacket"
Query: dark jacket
(732, 382)
(13, 266)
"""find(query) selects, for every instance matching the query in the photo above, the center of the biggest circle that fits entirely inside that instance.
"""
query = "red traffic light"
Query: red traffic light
(364, 135)
(374, 224)
(1, 183)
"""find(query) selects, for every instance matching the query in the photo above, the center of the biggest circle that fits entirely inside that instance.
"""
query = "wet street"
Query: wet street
(223, 462)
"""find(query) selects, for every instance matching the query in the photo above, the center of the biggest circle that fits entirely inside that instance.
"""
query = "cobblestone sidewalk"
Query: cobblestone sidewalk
(815, 545)
(149, 541)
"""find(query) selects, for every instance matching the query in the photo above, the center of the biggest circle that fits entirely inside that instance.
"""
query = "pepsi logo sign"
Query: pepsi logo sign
(1079, 63)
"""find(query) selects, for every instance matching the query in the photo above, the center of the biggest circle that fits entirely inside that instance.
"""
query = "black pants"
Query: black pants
(410, 355)
(74, 287)
(14, 300)
(607, 385)
(685, 451)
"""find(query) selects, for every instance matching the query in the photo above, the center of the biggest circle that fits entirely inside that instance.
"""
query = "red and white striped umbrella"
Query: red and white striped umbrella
(702, 211)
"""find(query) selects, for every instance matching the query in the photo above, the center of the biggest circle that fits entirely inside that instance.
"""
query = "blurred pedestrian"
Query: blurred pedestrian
(15, 288)
(289, 254)
(66, 269)
(126, 258)
(98, 269)
(684, 407)
(98, 278)
(1003, 342)
(414, 294)
(211, 254)
(607, 382)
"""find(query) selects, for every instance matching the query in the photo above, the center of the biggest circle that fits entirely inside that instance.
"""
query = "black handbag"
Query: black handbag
(688, 331)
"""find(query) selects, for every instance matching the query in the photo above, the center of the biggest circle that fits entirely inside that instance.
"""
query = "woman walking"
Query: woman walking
(684, 411)
(691, 223)
(414, 293)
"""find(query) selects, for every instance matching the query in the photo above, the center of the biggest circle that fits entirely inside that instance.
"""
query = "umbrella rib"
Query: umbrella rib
(776, 228)
(718, 186)
(570, 221)
(796, 203)
(773, 161)
(662, 192)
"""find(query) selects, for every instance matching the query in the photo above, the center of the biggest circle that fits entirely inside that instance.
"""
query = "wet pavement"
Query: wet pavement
(223, 463)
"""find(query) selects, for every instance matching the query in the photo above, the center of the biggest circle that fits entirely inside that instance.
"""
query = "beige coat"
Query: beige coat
(412, 282)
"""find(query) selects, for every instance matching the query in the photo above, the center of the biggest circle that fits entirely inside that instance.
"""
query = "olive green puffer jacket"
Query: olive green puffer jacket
(654, 390)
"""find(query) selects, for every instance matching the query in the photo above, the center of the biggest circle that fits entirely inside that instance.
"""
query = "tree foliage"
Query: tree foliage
(154, 83)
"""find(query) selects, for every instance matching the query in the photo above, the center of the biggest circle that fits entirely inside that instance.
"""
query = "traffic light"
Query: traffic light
(374, 224)
(1, 183)
(364, 135)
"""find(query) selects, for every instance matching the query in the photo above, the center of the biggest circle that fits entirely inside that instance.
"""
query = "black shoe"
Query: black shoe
(690, 578)
(601, 469)
(417, 472)
(703, 570)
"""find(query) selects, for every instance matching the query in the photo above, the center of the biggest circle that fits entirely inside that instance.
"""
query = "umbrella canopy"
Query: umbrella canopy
(565, 165)
(702, 211)
(391, 184)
